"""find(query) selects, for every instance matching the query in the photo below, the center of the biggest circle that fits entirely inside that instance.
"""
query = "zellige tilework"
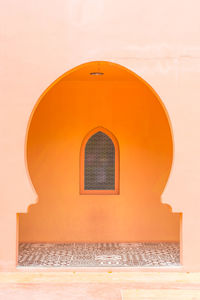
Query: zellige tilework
(99, 255)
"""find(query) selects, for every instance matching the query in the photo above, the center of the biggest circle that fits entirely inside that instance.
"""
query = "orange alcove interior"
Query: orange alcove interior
(71, 107)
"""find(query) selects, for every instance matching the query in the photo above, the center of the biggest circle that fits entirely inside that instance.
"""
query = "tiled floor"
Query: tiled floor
(99, 255)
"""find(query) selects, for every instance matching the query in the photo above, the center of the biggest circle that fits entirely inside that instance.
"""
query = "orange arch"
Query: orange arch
(82, 163)
(79, 69)
(73, 105)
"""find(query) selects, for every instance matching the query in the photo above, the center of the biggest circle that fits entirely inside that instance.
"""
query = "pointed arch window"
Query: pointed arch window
(99, 163)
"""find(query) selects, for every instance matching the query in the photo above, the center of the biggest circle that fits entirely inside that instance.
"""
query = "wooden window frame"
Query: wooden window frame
(82, 164)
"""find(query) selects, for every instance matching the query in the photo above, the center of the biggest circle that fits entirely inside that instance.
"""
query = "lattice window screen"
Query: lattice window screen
(99, 173)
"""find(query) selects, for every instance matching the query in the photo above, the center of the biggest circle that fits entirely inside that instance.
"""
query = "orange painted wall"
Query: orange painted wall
(128, 108)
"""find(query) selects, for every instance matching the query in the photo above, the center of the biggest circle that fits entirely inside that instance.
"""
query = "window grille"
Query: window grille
(99, 163)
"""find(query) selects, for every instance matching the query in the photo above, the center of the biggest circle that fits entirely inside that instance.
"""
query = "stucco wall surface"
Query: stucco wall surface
(159, 40)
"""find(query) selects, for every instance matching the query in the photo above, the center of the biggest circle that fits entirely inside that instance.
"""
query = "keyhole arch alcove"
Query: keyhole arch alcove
(99, 95)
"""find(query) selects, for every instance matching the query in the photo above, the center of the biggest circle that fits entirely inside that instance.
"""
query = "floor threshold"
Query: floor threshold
(99, 255)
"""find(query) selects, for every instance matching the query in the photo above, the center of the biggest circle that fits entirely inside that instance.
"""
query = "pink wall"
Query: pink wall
(158, 40)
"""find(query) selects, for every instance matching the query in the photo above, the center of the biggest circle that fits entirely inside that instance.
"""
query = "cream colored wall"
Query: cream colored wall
(159, 40)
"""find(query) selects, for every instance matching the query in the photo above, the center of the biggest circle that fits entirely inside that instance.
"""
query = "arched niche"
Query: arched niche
(93, 95)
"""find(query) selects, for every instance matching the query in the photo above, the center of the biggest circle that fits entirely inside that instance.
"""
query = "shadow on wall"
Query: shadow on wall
(77, 103)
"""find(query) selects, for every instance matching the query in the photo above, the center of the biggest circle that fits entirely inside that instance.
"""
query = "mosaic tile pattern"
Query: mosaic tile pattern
(99, 255)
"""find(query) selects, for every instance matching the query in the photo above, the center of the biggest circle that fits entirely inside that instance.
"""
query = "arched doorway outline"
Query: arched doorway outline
(82, 163)
(71, 71)
(79, 67)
